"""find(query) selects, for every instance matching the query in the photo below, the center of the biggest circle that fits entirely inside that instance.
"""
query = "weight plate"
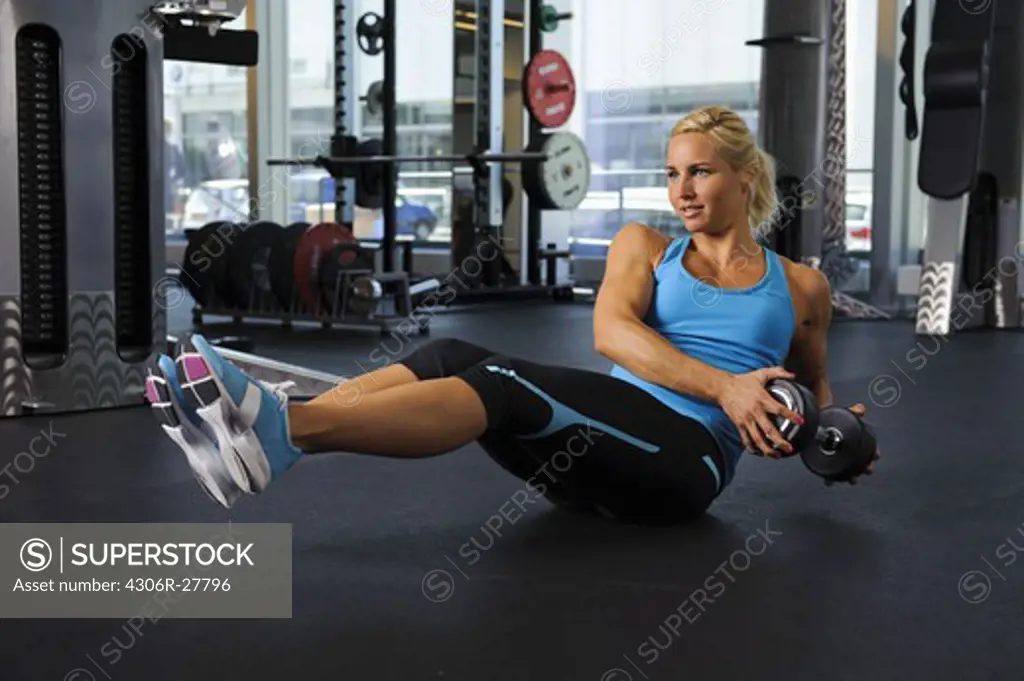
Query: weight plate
(205, 263)
(548, 19)
(562, 181)
(369, 33)
(195, 264)
(370, 176)
(248, 261)
(281, 266)
(314, 244)
(549, 89)
(344, 256)
(851, 457)
(801, 400)
(375, 98)
(223, 240)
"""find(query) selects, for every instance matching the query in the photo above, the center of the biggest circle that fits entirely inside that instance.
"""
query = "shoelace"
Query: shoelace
(280, 391)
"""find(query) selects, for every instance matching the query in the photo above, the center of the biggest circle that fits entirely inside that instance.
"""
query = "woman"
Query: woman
(696, 327)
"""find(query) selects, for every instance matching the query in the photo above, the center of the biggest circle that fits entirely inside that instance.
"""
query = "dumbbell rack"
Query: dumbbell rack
(392, 309)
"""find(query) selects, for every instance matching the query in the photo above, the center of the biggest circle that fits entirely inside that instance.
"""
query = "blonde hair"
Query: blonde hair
(735, 143)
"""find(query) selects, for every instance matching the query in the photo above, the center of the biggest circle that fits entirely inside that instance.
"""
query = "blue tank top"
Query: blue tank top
(735, 330)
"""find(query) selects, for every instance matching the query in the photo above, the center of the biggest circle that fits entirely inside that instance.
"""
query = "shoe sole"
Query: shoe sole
(199, 450)
(240, 448)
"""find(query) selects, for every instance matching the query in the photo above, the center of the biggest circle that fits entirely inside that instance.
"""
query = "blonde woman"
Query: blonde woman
(696, 327)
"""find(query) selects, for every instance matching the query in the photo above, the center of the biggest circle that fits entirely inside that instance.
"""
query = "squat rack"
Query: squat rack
(488, 214)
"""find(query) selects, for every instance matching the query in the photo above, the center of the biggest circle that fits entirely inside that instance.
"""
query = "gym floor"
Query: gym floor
(854, 583)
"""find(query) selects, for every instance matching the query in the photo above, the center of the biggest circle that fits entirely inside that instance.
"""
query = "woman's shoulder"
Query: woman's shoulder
(806, 281)
(643, 232)
(644, 237)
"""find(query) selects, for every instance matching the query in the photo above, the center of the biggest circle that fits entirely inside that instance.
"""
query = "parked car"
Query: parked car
(411, 218)
(858, 223)
(229, 200)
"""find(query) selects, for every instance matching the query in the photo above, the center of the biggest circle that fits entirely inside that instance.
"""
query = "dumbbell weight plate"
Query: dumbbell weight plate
(364, 295)
(802, 401)
(851, 457)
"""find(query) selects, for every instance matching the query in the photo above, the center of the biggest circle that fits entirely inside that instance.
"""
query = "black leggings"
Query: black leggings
(584, 440)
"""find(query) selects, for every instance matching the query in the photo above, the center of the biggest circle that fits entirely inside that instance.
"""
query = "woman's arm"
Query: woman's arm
(620, 333)
(808, 353)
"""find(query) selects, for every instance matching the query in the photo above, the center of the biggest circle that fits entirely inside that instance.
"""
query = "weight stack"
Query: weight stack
(82, 244)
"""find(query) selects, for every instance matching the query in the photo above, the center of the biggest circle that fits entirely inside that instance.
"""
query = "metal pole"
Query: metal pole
(390, 142)
(339, 100)
(533, 214)
(489, 127)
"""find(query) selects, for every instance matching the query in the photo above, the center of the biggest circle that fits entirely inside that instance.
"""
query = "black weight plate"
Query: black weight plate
(248, 260)
(218, 246)
(343, 256)
(196, 262)
(851, 457)
(370, 177)
(369, 33)
(281, 266)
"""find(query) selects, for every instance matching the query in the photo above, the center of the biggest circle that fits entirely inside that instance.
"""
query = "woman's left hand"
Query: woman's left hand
(859, 410)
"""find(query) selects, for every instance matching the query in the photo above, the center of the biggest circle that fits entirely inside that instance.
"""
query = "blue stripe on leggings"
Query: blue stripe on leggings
(563, 417)
(714, 471)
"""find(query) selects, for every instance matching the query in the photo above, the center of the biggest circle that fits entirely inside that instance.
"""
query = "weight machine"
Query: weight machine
(81, 250)
(971, 154)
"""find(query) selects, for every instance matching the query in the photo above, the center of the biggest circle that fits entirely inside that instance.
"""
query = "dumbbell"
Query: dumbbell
(833, 442)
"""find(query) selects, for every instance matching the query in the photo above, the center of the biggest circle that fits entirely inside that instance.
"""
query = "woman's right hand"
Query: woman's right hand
(750, 407)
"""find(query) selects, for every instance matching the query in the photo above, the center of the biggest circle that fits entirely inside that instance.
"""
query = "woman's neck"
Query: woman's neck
(727, 248)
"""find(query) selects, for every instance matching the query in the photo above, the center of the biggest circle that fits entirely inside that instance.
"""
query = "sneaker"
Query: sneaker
(191, 434)
(248, 417)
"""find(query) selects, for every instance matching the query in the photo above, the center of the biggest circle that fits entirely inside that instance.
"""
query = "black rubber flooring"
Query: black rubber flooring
(857, 583)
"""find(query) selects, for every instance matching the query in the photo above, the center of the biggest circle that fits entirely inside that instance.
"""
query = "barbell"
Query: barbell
(342, 161)
(555, 169)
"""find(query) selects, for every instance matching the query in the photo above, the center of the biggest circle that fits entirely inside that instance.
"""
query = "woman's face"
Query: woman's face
(705, 191)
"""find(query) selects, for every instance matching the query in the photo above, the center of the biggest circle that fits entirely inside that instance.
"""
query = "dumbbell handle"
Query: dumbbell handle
(828, 438)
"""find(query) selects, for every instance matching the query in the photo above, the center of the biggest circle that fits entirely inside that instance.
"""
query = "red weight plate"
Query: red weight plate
(549, 89)
(313, 246)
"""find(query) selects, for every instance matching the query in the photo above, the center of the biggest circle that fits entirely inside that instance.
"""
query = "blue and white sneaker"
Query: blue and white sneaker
(191, 434)
(248, 417)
